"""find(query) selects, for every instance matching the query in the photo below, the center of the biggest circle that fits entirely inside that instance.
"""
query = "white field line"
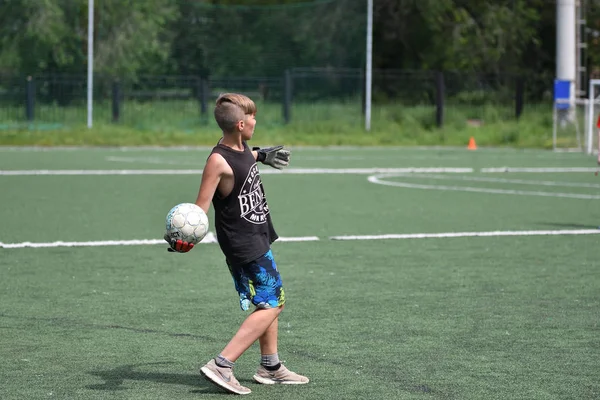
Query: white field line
(196, 161)
(380, 180)
(504, 180)
(296, 171)
(410, 156)
(154, 160)
(543, 170)
(46, 149)
(468, 234)
(293, 171)
(410, 149)
(99, 243)
(100, 172)
(299, 239)
(363, 171)
(211, 239)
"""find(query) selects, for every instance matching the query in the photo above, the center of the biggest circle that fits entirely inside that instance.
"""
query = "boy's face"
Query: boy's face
(248, 126)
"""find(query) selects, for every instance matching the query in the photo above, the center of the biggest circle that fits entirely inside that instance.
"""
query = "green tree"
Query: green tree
(51, 35)
(593, 50)
(455, 34)
(263, 38)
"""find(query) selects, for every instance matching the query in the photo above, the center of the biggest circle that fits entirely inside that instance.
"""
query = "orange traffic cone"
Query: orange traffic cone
(472, 145)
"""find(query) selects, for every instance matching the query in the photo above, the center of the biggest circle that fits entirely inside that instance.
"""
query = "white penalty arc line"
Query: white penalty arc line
(380, 180)
(504, 180)
(468, 234)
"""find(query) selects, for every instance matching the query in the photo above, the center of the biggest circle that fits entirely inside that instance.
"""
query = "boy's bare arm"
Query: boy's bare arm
(211, 176)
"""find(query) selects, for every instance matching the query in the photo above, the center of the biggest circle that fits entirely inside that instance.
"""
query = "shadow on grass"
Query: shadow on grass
(573, 225)
(115, 378)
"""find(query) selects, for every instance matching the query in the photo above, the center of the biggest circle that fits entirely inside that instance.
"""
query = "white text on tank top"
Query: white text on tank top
(253, 204)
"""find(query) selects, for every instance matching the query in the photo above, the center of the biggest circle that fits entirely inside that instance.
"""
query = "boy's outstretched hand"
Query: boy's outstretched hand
(276, 157)
(178, 245)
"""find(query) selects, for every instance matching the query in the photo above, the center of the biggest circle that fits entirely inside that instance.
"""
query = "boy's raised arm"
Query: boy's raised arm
(276, 156)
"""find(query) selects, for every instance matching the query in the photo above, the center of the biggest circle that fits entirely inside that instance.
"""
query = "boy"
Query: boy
(244, 231)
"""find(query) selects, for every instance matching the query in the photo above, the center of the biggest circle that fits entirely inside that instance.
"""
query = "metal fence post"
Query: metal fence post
(287, 96)
(30, 100)
(439, 99)
(363, 91)
(116, 101)
(519, 96)
(204, 96)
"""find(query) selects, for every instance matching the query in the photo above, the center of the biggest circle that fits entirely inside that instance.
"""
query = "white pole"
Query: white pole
(566, 46)
(591, 128)
(369, 66)
(90, 60)
(590, 116)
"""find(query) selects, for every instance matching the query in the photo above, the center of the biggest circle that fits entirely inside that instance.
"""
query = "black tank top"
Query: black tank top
(242, 220)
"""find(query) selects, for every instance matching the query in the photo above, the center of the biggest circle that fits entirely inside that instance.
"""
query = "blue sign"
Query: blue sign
(562, 94)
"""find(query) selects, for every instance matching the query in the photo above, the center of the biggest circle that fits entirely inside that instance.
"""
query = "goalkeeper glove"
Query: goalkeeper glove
(276, 157)
(178, 245)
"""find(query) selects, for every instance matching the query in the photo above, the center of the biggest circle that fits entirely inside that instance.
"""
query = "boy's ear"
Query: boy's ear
(240, 125)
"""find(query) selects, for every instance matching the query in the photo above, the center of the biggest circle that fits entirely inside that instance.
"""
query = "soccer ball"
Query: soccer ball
(187, 222)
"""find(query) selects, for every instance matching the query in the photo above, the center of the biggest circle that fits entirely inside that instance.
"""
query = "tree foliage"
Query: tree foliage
(455, 34)
(51, 35)
(263, 37)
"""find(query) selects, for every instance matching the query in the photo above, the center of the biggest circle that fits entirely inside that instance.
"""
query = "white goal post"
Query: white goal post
(569, 115)
(593, 114)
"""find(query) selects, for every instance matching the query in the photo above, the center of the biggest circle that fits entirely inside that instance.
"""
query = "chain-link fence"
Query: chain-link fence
(160, 64)
(299, 95)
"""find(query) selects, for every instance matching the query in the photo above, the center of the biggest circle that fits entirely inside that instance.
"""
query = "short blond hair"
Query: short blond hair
(231, 108)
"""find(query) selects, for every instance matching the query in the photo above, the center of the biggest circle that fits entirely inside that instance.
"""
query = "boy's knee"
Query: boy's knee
(278, 309)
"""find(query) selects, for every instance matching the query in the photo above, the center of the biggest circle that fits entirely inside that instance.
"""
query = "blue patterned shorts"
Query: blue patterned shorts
(258, 282)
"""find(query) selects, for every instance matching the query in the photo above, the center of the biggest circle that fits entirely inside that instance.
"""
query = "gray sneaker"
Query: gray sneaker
(282, 375)
(223, 377)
